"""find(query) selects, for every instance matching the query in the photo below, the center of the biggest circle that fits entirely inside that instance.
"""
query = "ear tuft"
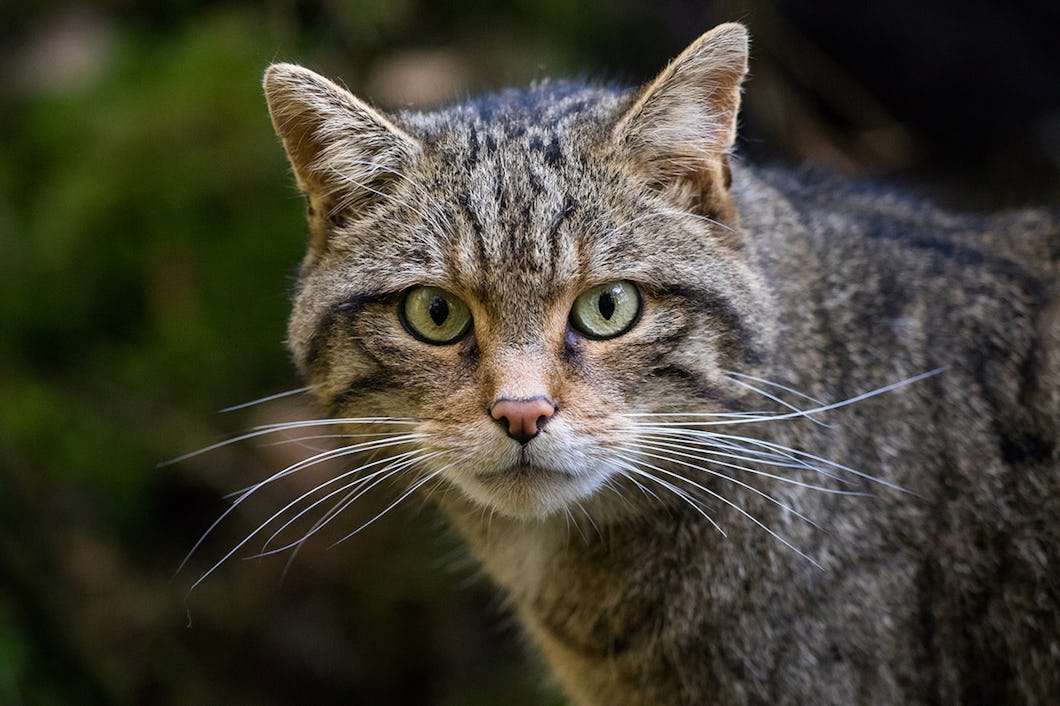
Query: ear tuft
(682, 126)
(342, 151)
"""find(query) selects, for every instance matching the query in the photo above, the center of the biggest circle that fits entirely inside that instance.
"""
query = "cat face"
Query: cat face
(498, 286)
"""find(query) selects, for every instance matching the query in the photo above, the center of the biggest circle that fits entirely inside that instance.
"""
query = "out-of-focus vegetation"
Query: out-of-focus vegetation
(148, 232)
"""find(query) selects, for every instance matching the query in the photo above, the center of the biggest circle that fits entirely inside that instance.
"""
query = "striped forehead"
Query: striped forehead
(515, 173)
(514, 204)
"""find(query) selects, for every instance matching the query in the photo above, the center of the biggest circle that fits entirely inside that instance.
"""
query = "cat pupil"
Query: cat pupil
(438, 309)
(606, 304)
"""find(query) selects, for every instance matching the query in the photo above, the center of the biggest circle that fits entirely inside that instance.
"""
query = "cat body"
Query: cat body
(948, 593)
(601, 338)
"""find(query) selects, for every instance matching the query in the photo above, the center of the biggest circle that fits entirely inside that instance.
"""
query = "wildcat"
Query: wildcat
(720, 434)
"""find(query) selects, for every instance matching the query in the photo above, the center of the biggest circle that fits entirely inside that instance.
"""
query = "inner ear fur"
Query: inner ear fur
(342, 151)
(681, 127)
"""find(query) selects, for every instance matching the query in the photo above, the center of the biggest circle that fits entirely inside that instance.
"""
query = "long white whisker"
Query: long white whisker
(764, 414)
(267, 522)
(719, 447)
(729, 478)
(589, 518)
(802, 413)
(345, 502)
(397, 464)
(327, 456)
(793, 454)
(708, 439)
(298, 424)
(833, 464)
(264, 429)
(629, 465)
(246, 493)
(771, 396)
(268, 398)
(412, 489)
(736, 507)
(661, 446)
(315, 437)
(785, 388)
(643, 489)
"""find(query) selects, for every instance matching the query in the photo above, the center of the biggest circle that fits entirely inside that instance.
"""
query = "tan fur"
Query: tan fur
(938, 584)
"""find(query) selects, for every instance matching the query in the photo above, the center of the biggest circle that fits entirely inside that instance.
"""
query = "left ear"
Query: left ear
(681, 128)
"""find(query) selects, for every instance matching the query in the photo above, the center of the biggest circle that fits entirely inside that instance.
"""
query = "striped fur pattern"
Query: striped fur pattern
(820, 466)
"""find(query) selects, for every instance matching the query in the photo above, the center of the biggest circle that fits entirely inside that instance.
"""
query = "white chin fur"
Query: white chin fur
(529, 492)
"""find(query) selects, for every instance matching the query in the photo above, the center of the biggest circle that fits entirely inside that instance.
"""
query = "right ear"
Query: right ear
(681, 127)
(344, 153)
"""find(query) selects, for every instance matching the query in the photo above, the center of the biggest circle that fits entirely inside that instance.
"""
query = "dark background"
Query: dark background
(148, 232)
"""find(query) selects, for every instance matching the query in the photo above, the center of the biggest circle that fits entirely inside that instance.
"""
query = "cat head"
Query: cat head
(507, 280)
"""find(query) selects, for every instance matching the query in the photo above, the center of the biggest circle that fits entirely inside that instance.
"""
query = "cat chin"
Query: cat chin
(530, 492)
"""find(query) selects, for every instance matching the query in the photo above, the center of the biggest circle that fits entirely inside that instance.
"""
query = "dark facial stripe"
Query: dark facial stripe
(347, 310)
(739, 339)
(359, 387)
(552, 238)
(464, 199)
(704, 389)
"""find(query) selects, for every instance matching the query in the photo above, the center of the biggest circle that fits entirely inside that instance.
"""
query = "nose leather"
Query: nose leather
(523, 419)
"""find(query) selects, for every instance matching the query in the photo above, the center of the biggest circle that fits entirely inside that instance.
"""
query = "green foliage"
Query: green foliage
(152, 233)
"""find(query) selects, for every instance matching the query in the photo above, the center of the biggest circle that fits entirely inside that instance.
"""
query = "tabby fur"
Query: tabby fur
(912, 557)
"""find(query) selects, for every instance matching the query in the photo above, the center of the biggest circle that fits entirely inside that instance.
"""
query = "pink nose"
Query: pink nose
(523, 418)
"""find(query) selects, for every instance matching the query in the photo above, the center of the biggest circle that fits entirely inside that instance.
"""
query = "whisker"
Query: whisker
(297, 424)
(264, 429)
(779, 401)
(313, 437)
(725, 415)
(785, 452)
(711, 439)
(268, 398)
(589, 517)
(662, 446)
(569, 519)
(833, 464)
(777, 385)
(643, 489)
(729, 478)
(628, 464)
(738, 509)
(247, 492)
(806, 412)
(265, 524)
(412, 489)
(708, 440)
(397, 464)
(327, 456)
(848, 469)
(353, 493)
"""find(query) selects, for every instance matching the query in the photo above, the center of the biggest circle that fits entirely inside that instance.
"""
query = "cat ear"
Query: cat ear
(682, 126)
(343, 152)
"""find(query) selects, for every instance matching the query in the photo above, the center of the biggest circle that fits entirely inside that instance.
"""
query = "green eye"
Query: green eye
(606, 310)
(434, 315)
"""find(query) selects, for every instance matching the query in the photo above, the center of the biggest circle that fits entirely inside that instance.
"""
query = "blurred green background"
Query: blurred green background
(149, 230)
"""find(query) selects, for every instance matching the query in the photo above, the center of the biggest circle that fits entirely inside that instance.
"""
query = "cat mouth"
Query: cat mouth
(522, 471)
(526, 490)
